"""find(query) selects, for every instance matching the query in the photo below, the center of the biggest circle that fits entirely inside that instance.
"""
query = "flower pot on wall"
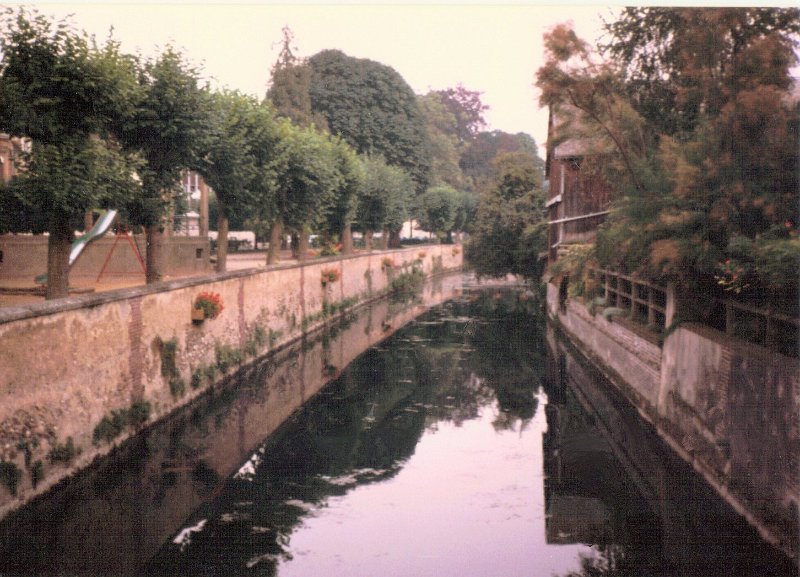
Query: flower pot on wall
(198, 315)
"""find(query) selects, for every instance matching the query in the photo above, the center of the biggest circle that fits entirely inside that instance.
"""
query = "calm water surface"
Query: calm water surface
(472, 442)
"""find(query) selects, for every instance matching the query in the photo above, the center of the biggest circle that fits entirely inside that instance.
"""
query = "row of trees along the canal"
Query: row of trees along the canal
(691, 114)
(339, 143)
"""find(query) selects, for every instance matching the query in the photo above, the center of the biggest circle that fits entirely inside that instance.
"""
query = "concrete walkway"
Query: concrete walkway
(26, 286)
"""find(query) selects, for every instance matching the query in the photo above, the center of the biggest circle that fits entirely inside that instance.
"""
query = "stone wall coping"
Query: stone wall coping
(743, 347)
(40, 309)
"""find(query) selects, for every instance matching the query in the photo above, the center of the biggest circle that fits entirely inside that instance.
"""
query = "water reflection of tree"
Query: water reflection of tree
(509, 354)
(363, 427)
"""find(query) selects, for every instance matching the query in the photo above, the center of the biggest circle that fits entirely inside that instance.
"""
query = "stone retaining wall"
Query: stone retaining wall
(71, 364)
(730, 408)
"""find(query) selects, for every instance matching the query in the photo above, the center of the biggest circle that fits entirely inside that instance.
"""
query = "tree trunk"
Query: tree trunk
(302, 244)
(347, 239)
(58, 248)
(155, 239)
(394, 239)
(203, 208)
(275, 235)
(222, 240)
(368, 239)
(88, 221)
(295, 245)
(384, 239)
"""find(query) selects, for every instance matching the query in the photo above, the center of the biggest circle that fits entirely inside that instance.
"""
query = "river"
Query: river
(472, 441)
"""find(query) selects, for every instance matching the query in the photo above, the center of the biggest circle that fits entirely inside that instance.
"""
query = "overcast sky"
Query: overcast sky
(489, 47)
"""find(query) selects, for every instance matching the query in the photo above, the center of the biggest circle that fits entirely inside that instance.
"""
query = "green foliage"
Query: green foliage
(437, 208)
(111, 426)
(177, 386)
(37, 473)
(169, 359)
(696, 127)
(10, 476)
(509, 231)
(373, 109)
(406, 284)
(63, 453)
(139, 413)
(385, 197)
(227, 357)
(197, 378)
(68, 96)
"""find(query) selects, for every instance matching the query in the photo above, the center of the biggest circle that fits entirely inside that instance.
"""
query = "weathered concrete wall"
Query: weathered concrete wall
(183, 459)
(25, 256)
(730, 408)
(67, 364)
(634, 359)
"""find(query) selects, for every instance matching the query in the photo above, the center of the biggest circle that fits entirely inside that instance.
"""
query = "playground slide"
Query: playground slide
(99, 229)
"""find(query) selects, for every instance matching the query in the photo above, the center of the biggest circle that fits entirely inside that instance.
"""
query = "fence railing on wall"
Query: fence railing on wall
(645, 301)
(773, 330)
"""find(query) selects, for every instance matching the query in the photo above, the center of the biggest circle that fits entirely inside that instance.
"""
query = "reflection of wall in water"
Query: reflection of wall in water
(610, 480)
(108, 522)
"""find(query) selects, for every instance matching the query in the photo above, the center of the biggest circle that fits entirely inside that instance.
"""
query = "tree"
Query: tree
(706, 173)
(509, 232)
(241, 136)
(166, 130)
(350, 182)
(437, 210)
(63, 93)
(306, 177)
(373, 109)
(675, 62)
(445, 147)
(290, 83)
(467, 109)
(476, 158)
(383, 203)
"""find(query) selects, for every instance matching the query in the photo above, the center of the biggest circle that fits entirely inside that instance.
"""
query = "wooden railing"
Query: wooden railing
(647, 304)
(773, 330)
(645, 301)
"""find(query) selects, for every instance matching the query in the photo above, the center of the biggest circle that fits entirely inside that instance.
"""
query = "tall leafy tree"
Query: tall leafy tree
(384, 201)
(241, 138)
(509, 231)
(350, 182)
(437, 210)
(706, 167)
(467, 109)
(166, 130)
(446, 149)
(373, 109)
(65, 94)
(306, 177)
(476, 158)
(290, 84)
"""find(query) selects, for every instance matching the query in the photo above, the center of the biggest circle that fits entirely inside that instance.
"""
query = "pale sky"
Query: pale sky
(492, 48)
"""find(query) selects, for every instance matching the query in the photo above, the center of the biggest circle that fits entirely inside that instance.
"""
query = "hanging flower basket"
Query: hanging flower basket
(207, 305)
(329, 275)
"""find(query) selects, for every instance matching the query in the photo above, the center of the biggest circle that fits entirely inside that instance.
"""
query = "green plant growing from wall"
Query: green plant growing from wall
(169, 358)
(197, 377)
(63, 453)
(177, 387)
(112, 425)
(10, 476)
(37, 473)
